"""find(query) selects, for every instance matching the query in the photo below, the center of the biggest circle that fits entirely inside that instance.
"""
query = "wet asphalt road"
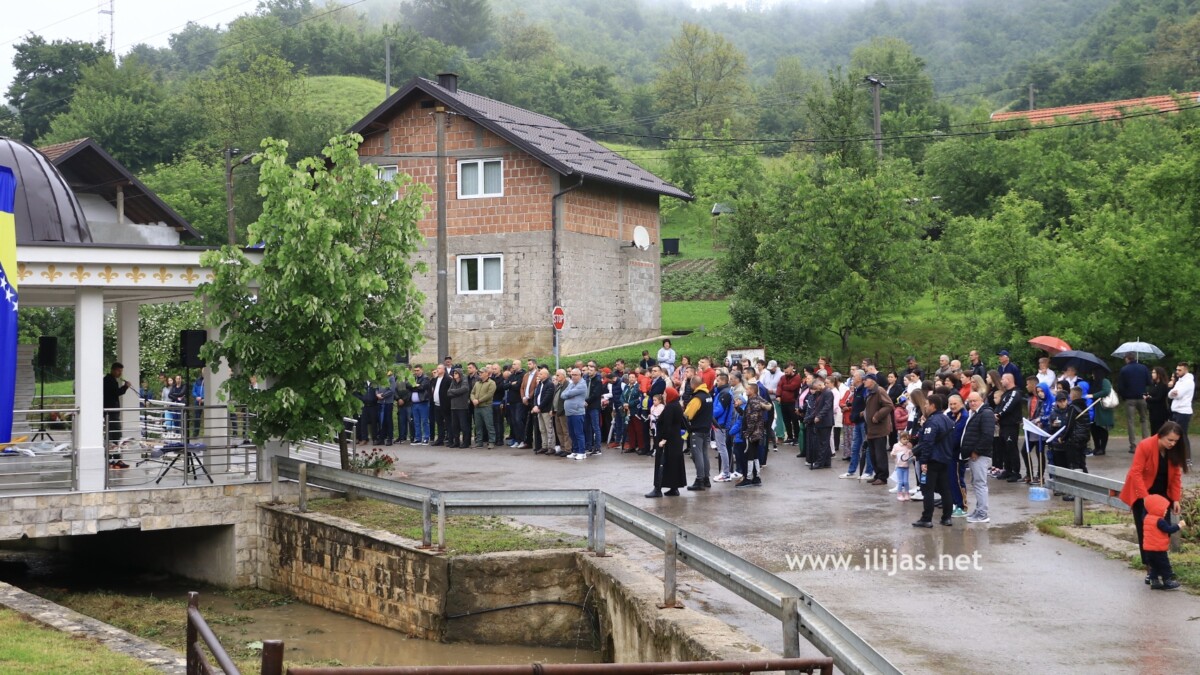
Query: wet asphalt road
(1036, 604)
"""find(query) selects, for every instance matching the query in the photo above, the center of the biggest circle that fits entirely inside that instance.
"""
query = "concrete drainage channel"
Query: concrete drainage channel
(799, 614)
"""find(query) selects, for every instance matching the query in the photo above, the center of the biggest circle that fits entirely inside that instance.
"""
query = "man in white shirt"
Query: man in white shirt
(1044, 374)
(1183, 388)
(770, 378)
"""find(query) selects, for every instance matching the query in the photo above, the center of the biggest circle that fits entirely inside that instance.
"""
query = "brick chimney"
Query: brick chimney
(448, 81)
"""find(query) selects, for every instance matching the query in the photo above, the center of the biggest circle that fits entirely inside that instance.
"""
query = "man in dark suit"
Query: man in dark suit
(439, 396)
(114, 388)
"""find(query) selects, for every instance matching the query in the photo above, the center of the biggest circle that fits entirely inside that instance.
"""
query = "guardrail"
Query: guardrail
(197, 662)
(823, 666)
(1086, 486)
(798, 612)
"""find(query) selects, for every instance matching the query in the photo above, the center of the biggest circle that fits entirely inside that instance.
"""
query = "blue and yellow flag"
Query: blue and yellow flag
(8, 302)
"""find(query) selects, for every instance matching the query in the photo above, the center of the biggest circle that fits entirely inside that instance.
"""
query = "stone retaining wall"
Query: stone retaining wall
(384, 579)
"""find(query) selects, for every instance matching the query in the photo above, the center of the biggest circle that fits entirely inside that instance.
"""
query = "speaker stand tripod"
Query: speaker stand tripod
(42, 433)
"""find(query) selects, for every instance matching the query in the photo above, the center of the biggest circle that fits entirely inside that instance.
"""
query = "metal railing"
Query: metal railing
(324, 452)
(1086, 486)
(46, 458)
(798, 612)
(170, 440)
(197, 662)
(823, 666)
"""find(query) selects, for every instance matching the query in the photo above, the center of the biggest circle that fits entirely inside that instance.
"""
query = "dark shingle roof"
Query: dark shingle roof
(560, 147)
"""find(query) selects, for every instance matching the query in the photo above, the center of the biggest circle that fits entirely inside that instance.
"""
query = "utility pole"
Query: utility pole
(231, 228)
(443, 299)
(876, 84)
(387, 68)
(112, 26)
(1031, 91)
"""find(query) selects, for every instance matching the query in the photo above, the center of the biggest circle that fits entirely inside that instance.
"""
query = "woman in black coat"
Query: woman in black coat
(1157, 404)
(460, 400)
(669, 469)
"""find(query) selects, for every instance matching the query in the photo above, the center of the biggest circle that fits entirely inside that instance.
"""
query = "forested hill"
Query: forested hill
(968, 45)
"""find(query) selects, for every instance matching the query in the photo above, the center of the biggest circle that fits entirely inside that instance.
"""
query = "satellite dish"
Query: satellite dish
(641, 238)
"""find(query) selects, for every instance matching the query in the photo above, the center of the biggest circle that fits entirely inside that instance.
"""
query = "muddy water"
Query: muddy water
(310, 634)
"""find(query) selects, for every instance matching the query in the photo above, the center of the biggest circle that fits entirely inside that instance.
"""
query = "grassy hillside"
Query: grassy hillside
(347, 98)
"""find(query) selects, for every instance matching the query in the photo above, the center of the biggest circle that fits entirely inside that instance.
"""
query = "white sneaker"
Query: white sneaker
(977, 519)
(894, 489)
(917, 496)
(867, 476)
(558, 448)
(847, 475)
(735, 476)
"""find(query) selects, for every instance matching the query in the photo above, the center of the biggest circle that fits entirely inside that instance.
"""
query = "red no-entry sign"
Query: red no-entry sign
(560, 318)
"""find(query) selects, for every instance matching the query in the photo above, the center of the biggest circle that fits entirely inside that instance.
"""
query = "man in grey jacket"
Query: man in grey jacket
(574, 399)
(976, 448)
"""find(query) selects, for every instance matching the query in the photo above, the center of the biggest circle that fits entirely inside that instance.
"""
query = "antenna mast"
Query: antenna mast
(112, 25)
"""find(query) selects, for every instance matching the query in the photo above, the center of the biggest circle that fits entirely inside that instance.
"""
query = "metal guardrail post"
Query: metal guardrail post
(1079, 512)
(670, 560)
(790, 607)
(426, 523)
(600, 516)
(441, 524)
(272, 657)
(303, 487)
(591, 536)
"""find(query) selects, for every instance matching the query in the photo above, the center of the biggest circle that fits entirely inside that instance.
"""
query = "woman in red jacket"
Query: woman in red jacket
(1157, 469)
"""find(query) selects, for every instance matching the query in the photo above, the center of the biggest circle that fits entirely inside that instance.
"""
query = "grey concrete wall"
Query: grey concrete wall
(205, 554)
(609, 289)
(382, 578)
(212, 511)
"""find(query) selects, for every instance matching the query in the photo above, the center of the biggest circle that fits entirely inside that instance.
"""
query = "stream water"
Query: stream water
(309, 633)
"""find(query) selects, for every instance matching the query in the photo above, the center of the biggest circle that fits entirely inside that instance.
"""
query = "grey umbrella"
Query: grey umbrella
(1139, 349)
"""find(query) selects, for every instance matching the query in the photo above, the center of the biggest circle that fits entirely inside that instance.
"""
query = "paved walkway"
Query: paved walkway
(1037, 603)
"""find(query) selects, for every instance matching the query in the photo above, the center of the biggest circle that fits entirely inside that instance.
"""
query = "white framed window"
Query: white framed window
(388, 172)
(480, 178)
(481, 273)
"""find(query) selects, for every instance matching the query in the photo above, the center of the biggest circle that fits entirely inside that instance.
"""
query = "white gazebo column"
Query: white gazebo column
(216, 419)
(129, 354)
(89, 388)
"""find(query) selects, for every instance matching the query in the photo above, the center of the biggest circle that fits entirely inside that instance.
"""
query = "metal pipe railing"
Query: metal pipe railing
(798, 612)
(817, 665)
(198, 630)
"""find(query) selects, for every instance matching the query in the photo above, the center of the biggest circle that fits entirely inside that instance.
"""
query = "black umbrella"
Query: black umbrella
(1084, 362)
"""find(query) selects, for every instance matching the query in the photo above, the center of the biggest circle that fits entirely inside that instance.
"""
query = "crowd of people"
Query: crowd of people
(946, 433)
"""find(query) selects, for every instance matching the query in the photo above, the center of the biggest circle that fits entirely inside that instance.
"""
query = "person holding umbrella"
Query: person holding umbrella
(1132, 383)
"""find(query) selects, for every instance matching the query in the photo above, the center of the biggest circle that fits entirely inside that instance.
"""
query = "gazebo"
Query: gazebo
(91, 236)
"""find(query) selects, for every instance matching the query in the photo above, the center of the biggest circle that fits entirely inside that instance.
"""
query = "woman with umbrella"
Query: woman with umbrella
(1103, 421)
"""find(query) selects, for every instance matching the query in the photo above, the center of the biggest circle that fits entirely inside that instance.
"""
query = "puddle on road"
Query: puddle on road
(310, 634)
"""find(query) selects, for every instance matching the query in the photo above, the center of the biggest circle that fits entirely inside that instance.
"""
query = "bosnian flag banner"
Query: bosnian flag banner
(8, 302)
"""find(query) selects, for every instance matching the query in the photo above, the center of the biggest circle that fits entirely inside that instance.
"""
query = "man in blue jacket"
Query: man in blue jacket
(1132, 383)
(574, 399)
(934, 459)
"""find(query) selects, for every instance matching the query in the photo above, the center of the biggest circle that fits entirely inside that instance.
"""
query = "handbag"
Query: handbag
(1112, 400)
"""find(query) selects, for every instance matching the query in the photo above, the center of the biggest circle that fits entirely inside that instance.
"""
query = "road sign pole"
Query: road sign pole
(556, 332)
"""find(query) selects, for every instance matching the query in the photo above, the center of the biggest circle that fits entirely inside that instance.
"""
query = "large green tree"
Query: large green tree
(835, 250)
(461, 23)
(47, 73)
(129, 112)
(333, 298)
(702, 81)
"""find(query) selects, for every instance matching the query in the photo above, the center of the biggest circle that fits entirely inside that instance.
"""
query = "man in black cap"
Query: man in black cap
(1007, 366)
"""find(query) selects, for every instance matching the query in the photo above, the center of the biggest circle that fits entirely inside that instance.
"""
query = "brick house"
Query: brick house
(537, 215)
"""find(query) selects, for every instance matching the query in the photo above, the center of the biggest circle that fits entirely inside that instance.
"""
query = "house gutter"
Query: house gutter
(556, 225)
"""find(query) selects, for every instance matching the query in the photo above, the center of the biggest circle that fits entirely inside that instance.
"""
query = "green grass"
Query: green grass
(349, 99)
(30, 648)
(464, 534)
(693, 314)
(1052, 523)
(693, 226)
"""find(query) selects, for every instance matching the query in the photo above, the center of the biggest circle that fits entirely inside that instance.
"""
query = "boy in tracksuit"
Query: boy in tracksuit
(1157, 540)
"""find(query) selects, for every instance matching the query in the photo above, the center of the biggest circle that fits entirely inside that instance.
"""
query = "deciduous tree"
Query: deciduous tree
(47, 73)
(702, 80)
(333, 298)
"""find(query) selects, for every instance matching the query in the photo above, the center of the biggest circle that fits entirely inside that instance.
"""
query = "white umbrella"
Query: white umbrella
(1140, 349)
